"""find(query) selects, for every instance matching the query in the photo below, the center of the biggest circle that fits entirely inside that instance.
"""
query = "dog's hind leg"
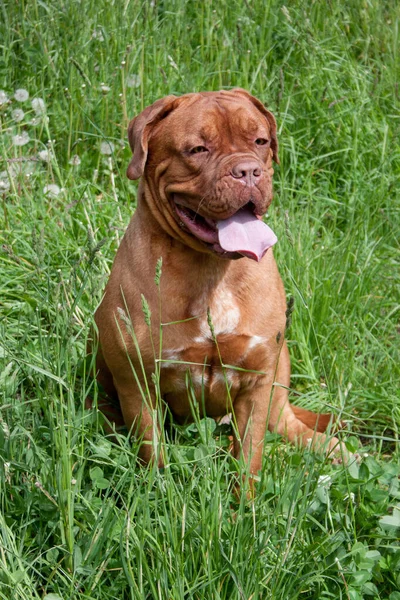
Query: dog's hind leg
(298, 425)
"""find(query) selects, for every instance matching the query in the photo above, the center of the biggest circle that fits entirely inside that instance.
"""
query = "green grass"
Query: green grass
(80, 518)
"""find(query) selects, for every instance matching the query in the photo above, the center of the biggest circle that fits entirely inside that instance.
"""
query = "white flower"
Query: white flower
(106, 148)
(98, 35)
(52, 190)
(350, 497)
(104, 88)
(18, 114)
(44, 155)
(133, 81)
(39, 106)
(325, 481)
(21, 95)
(3, 98)
(75, 161)
(21, 139)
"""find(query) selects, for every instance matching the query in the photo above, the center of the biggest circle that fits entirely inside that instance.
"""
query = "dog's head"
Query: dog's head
(207, 160)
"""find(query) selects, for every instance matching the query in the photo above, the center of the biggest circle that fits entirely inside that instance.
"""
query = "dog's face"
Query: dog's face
(208, 160)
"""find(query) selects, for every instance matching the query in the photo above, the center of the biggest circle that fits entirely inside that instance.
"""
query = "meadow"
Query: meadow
(80, 517)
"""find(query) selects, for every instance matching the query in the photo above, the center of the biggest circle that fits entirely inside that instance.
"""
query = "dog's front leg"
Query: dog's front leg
(250, 419)
(140, 416)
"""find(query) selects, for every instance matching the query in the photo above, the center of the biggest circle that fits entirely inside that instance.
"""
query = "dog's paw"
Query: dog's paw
(340, 454)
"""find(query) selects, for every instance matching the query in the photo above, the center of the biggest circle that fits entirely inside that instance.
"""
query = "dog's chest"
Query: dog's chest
(218, 314)
(208, 354)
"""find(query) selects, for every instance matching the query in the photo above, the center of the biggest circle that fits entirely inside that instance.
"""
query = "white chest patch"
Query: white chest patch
(224, 312)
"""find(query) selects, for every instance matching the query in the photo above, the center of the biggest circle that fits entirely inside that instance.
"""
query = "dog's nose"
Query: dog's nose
(248, 170)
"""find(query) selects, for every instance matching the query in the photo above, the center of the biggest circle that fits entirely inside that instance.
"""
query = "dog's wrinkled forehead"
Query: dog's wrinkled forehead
(210, 120)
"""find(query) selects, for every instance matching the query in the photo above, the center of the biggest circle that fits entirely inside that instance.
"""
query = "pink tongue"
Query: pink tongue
(246, 234)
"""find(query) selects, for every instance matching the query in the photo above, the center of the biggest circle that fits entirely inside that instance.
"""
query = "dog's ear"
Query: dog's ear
(138, 133)
(270, 118)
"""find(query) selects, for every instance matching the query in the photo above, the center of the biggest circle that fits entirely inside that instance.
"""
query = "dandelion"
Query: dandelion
(39, 106)
(104, 88)
(12, 171)
(3, 98)
(75, 161)
(21, 139)
(106, 148)
(4, 183)
(133, 81)
(52, 190)
(44, 155)
(21, 95)
(18, 115)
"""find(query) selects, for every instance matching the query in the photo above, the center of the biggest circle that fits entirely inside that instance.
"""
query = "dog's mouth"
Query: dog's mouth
(241, 234)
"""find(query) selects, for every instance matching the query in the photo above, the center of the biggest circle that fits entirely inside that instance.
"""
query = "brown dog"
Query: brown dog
(206, 161)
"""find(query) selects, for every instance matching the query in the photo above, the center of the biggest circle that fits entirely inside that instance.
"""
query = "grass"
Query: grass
(80, 518)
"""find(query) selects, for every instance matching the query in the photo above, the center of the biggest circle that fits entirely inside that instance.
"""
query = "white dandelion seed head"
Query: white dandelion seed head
(21, 139)
(52, 190)
(44, 155)
(133, 81)
(21, 95)
(98, 35)
(3, 98)
(4, 184)
(12, 171)
(39, 106)
(18, 115)
(75, 161)
(105, 88)
(106, 148)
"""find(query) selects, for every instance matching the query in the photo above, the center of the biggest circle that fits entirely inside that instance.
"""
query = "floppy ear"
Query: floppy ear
(270, 118)
(138, 133)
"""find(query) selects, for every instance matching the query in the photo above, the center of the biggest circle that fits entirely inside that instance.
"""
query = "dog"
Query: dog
(206, 166)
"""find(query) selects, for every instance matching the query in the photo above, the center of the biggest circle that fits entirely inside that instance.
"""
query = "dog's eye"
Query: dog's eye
(198, 149)
(261, 142)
